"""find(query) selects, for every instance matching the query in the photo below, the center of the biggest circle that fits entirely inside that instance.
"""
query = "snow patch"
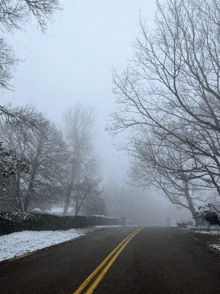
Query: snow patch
(20, 243)
(209, 233)
(215, 246)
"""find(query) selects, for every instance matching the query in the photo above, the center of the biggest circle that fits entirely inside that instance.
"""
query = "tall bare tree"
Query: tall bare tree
(155, 164)
(172, 84)
(83, 167)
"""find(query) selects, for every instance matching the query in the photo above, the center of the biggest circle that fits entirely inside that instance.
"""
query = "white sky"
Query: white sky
(73, 62)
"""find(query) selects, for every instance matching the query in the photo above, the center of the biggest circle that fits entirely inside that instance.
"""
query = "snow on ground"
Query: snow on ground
(209, 233)
(113, 226)
(20, 243)
(215, 246)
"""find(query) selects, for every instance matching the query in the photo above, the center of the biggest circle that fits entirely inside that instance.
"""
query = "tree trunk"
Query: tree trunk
(18, 193)
(67, 202)
(30, 189)
(70, 188)
(27, 202)
(190, 203)
(77, 204)
(67, 198)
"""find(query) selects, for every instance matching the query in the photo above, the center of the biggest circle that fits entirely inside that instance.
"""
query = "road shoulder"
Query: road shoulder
(206, 238)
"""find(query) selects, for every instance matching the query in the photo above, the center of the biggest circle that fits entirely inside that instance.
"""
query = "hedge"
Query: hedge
(20, 221)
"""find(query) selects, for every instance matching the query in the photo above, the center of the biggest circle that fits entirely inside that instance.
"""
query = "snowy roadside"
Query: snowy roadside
(209, 232)
(20, 243)
(211, 238)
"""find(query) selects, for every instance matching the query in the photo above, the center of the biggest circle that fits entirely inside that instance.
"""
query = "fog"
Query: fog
(73, 62)
(141, 207)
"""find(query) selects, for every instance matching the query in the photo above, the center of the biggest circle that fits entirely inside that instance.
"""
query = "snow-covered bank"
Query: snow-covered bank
(209, 233)
(213, 243)
(20, 243)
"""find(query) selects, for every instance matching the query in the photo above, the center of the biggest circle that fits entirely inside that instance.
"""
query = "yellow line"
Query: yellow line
(101, 275)
(87, 281)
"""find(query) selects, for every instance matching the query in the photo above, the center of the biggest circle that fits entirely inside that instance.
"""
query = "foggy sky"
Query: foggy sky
(73, 62)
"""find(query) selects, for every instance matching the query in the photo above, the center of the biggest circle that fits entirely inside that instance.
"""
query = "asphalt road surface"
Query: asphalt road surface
(117, 260)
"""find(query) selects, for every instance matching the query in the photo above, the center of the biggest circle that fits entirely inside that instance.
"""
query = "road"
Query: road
(149, 260)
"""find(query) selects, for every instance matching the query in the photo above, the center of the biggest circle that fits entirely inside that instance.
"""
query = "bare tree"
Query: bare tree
(47, 155)
(14, 13)
(172, 85)
(87, 197)
(83, 168)
(155, 164)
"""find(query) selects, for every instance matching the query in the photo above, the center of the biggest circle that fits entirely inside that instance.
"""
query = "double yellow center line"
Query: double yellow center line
(107, 263)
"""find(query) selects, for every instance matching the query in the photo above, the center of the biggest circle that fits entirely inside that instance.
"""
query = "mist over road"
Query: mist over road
(149, 260)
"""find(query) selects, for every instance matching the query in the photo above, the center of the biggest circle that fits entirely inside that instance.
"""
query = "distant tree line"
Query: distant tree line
(169, 98)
